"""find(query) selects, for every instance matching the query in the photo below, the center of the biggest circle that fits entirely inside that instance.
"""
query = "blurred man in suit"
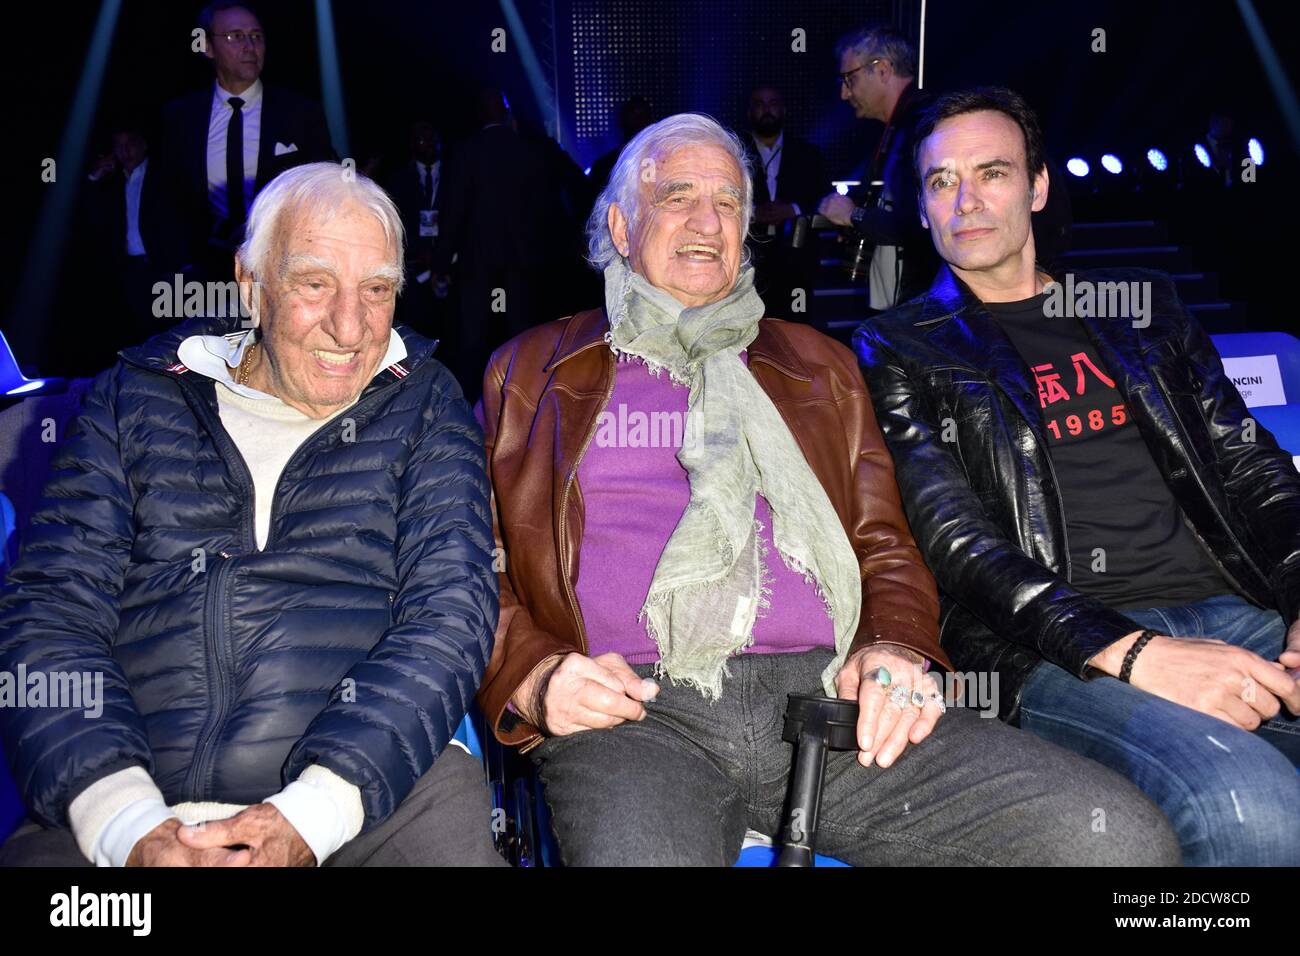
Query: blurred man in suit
(223, 143)
(495, 223)
(130, 233)
(415, 188)
(789, 178)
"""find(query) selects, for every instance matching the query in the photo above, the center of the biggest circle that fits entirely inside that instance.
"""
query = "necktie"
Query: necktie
(235, 162)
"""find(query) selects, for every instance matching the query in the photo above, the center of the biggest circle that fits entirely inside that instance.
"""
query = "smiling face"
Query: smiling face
(691, 229)
(326, 320)
(977, 196)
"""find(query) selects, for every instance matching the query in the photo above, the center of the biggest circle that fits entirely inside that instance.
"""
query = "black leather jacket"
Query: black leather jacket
(984, 506)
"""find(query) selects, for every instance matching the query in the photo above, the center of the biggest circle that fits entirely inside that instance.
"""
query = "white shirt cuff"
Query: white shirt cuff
(110, 816)
(324, 808)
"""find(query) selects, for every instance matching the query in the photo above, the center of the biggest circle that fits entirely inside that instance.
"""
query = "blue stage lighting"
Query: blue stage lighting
(1202, 155)
(1158, 160)
(1256, 150)
(1111, 163)
(1078, 166)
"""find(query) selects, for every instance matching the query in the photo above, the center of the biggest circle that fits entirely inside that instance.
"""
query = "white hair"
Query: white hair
(314, 189)
(657, 142)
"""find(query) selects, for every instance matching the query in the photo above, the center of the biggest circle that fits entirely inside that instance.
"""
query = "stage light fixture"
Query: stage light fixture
(1078, 166)
(1202, 155)
(1158, 160)
(1111, 163)
(1256, 150)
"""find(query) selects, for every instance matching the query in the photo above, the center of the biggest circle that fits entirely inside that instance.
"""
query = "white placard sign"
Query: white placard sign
(1258, 378)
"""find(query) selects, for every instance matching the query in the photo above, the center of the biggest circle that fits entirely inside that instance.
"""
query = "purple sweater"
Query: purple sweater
(634, 491)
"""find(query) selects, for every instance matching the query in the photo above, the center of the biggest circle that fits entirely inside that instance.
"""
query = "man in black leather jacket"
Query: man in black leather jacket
(1077, 469)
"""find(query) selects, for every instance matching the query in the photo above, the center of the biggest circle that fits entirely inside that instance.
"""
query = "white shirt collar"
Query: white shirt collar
(250, 96)
(780, 141)
(218, 356)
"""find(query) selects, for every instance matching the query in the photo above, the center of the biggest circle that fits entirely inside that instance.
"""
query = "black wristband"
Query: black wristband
(539, 698)
(1144, 638)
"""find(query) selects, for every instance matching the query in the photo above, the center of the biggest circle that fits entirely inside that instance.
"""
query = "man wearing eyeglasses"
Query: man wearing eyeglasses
(877, 73)
(222, 144)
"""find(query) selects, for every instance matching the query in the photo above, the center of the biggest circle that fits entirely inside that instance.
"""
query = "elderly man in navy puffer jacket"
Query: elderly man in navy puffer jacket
(265, 554)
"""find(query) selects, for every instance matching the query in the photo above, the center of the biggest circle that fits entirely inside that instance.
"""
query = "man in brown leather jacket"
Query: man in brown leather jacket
(734, 526)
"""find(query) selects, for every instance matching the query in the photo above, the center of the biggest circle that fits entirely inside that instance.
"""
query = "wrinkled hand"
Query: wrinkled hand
(270, 839)
(161, 847)
(837, 209)
(884, 731)
(585, 693)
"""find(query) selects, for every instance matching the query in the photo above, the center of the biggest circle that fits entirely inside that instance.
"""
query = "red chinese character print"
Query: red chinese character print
(1081, 359)
(1050, 388)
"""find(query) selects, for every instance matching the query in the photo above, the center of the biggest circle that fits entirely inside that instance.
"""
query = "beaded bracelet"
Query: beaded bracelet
(1127, 670)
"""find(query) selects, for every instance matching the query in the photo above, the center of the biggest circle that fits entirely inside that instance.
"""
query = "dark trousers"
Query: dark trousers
(682, 787)
(446, 820)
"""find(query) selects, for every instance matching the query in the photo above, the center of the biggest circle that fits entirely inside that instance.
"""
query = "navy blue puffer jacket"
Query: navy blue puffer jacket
(355, 639)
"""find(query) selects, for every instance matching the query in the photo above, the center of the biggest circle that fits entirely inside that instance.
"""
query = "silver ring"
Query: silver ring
(880, 675)
(900, 696)
(937, 699)
(918, 699)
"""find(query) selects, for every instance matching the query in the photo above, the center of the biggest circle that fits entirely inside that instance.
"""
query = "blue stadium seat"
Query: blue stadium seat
(1284, 423)
(12, 379)
(8, 534)
(467, 734)
(1281, 413)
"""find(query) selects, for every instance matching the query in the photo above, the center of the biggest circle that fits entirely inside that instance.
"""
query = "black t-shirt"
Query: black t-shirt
(1129, 545)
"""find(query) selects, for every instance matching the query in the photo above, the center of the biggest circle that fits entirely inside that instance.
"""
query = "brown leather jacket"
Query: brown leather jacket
(542, 393)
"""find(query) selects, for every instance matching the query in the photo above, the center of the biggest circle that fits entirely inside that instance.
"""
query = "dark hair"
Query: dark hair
(882, 41)
(996, 98)
(209, 13)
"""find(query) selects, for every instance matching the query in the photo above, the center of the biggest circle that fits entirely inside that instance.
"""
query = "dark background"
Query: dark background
(1167, 65)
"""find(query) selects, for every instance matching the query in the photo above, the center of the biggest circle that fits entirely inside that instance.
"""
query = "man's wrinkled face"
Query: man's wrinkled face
(237, 60)
(766, 111)
(691, 230)
(976, 195)
(329, 314)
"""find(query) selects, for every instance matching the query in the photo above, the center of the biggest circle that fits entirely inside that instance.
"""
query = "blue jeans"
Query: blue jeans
(1233, 796)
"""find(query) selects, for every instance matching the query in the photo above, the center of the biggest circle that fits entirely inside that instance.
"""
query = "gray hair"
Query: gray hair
(314, 189)
(881, 41)
(660, 140)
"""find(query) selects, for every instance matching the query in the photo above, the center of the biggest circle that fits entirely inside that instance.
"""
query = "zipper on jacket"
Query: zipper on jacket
(216, 641)
(219, 667)
(1056, 495)
(308, 445)
(564, 505)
